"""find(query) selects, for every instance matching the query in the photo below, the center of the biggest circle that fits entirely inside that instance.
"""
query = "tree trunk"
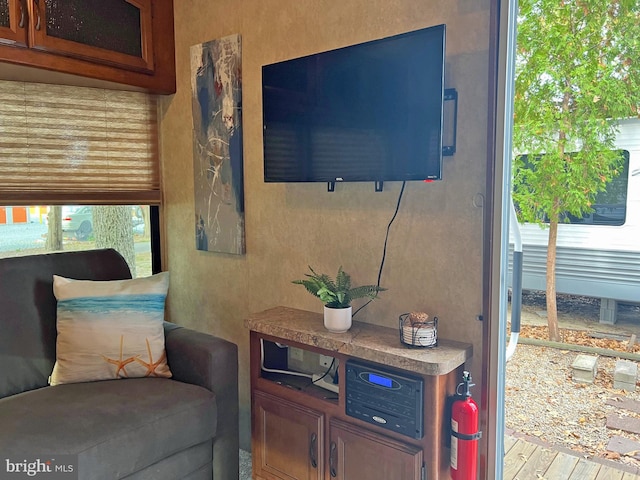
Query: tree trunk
(552, 308)
(113, 229)
(146, 216)
(54, 229)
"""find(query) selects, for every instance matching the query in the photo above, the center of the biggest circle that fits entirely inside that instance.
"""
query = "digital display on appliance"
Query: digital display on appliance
(378, 380)
(366, 112)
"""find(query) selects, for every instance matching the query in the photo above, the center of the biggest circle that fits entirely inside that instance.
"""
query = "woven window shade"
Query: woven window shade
(69, 145)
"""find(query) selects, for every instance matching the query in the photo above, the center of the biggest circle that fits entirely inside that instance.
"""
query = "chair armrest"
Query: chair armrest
(201, 359)
(211, 362)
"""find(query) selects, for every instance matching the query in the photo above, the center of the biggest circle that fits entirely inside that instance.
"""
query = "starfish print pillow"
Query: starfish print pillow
(110, 329)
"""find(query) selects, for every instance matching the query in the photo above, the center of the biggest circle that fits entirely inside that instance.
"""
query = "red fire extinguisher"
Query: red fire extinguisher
(464, 433)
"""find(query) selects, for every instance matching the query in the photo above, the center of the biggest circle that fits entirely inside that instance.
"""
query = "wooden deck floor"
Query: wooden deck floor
(525, 460)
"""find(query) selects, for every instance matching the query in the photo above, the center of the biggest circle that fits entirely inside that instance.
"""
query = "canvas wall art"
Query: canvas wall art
(216, 84)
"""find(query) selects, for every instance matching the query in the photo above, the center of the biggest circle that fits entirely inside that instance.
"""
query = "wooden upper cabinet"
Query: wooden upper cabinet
(13, 22)
(116, 32)
(124, 41)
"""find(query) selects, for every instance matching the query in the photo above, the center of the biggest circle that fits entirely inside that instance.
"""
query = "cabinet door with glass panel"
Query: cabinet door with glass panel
(116, 32)
(13, 20)
(112, 32)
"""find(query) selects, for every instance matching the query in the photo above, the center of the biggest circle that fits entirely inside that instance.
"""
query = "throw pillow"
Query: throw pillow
(110, 329)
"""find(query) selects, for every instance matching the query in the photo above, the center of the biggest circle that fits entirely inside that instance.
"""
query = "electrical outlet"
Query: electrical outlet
(296, 354)
(325, 361)
(325, 382)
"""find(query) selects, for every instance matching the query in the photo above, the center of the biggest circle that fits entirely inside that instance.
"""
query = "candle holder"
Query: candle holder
(416, 330)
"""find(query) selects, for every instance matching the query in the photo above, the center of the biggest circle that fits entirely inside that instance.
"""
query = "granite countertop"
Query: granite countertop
(363, 340)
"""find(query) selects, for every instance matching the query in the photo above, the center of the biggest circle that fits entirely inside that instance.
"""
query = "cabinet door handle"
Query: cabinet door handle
(23, 14)
(333, 458)
(36, 4)
(313, 453)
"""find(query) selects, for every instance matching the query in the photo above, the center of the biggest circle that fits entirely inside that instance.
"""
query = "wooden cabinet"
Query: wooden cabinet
(303, 432)
(289, 445)
(115, 32)
(125, 41)
(289, 440)
(13, 19)
(356, 453)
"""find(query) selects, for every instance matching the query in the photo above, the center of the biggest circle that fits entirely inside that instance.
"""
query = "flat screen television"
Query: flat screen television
(366, 112)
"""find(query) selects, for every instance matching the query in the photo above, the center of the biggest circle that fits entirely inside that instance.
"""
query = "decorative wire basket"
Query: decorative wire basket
(422, 333)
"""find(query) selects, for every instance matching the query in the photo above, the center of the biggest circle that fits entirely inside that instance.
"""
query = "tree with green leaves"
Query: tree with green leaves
(577, 72)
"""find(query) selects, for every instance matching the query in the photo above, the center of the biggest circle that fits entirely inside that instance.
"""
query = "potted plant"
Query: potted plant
(337, 294)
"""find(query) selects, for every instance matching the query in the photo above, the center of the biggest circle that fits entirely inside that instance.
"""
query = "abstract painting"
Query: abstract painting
(216, 86)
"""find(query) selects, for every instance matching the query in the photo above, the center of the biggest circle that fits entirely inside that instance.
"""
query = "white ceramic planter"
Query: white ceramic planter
(337, 320)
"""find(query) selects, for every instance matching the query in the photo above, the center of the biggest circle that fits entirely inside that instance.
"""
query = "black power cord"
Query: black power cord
(325, 373)
(384, 250)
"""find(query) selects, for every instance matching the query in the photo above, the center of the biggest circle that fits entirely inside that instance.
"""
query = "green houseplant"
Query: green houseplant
(337, 294)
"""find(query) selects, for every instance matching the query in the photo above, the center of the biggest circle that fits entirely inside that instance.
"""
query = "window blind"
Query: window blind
(69, 145)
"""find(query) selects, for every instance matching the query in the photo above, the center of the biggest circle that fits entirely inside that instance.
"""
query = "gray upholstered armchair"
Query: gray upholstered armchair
(142, 428)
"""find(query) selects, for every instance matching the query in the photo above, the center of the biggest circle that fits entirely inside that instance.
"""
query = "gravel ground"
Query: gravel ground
(561, 412)
(542, 400)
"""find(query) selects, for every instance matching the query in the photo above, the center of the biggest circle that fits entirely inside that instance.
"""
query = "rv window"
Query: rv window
(25, 230)
(610, 206)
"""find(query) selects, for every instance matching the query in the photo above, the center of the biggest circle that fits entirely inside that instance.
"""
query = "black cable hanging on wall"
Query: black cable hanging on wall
(384, 250)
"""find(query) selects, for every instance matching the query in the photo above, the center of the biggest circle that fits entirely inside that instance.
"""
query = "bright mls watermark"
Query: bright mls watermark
(52, 467)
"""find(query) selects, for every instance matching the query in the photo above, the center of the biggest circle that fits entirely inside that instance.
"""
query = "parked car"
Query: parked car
(79, 221)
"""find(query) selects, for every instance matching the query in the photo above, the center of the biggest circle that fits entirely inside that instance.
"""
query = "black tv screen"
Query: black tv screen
(367, 112)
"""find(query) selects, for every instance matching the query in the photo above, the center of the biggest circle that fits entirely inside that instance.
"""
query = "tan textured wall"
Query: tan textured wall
(434, 257)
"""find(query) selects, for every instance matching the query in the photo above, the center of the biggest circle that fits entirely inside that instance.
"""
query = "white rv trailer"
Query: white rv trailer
(601, 261)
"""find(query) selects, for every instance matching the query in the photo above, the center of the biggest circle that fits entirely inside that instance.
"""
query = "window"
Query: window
(62, 145)
(85, 159)
(28, 230)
